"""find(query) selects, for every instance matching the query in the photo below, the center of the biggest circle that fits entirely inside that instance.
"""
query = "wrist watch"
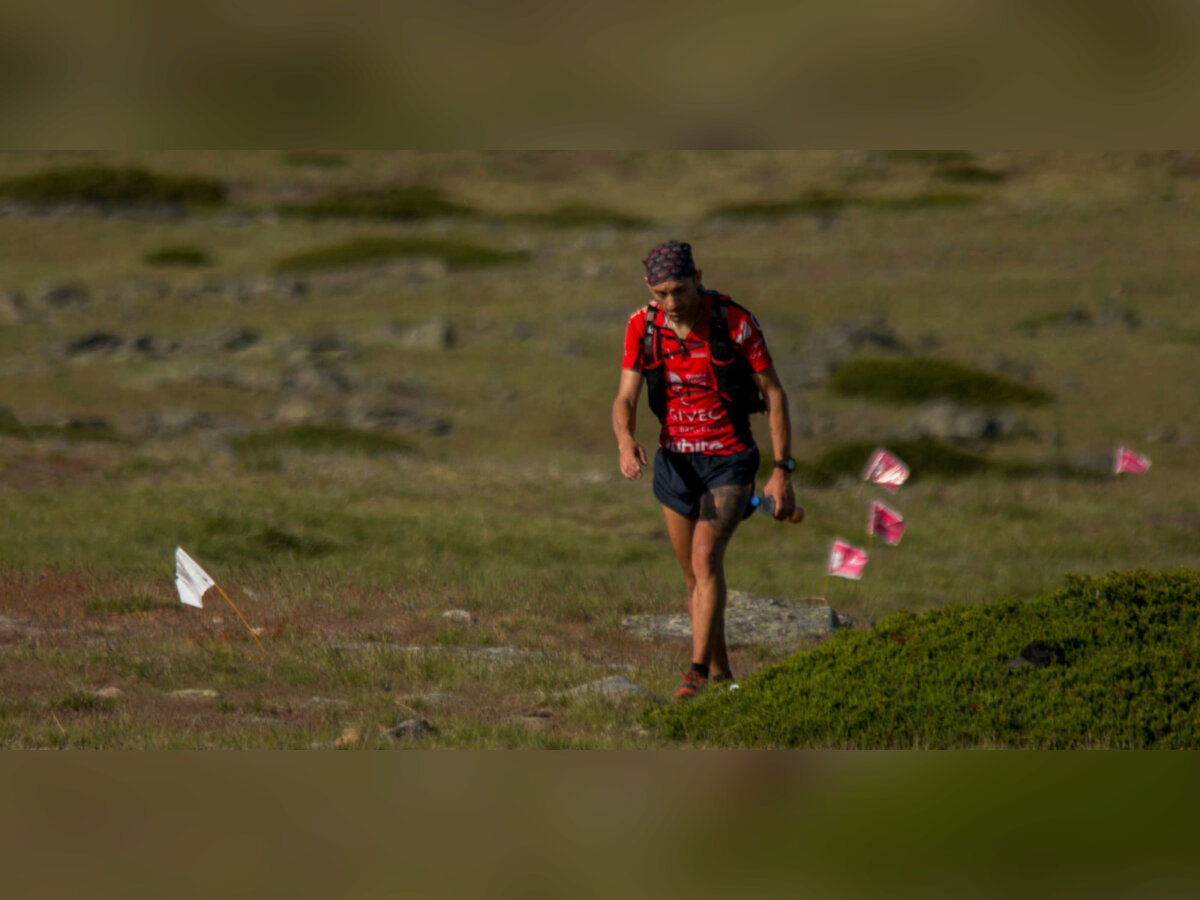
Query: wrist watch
(788, 465)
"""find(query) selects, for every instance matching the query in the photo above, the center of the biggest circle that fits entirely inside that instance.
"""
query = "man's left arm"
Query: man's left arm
(779, 485)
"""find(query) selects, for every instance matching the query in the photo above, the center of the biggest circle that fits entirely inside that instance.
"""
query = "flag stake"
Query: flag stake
(240, 616)
(825, 588)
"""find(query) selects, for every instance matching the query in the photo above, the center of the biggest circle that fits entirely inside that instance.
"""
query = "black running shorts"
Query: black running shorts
(681, 479)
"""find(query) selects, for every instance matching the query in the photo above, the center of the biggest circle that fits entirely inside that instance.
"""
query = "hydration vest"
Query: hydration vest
(738, 393)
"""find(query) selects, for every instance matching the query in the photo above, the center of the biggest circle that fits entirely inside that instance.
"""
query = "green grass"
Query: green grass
(1130, 677)
(327, 438)
(185, 256)
(457, 254)
(126, 603)
(970, 174)
(918, 379)
(105, 185)
(928, 157)
(935, 200)
(71, 432)
(813, 202)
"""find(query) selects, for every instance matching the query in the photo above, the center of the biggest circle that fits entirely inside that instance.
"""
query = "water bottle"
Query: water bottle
(767, 504)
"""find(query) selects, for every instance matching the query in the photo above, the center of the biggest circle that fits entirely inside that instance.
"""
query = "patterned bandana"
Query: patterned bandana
(669, 262)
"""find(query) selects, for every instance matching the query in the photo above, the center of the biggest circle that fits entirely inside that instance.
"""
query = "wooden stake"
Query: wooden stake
(240, 616)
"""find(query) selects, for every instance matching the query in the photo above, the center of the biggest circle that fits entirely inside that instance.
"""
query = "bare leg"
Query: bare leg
(720, 512)
(680, 529)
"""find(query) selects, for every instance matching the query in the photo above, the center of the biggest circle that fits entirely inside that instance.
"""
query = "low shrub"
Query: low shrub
(970, 174)
(317, 439)
(314, 159)
(928, 157)
(914, 202)
(917, 379)
(576, 215)
(1117, 666)
(399, 204)
(376, 250)
(183, 255)
(109, 186)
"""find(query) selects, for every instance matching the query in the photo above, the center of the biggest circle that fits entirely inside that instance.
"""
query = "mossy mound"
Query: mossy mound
(1119, 667)
(400, 204)
(579, 215)
(921, 378)
(109, 186)
(376, 250)
(253, 449)
(182, 255)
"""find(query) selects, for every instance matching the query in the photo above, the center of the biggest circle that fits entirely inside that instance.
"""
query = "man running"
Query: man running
(706, 367)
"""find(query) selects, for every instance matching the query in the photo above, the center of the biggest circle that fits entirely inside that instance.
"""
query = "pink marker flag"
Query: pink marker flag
(885, 470)
(846, 560)
(1125, 460)
(886, 522)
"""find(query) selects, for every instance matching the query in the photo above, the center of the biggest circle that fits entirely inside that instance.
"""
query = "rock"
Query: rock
(522, 331)
(94, 342)
(1095, 462)
(155, 346)
(12, 308)
(946, 420)
(195, 694)
(749, 619)
(237, 339)
(375, 413)
(317, 380)
(298, 410)
(618, 687)
(141, 291)
(414, 729)
(459, 617)
(62, 296)
(826, 350)
(1113, 316)
(1164, 434)
(349, 736)
(327, 701)
(109, 693)
(1038, 654)
(436, 334)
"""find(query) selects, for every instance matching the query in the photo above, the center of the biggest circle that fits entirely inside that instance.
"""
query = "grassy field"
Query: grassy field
(345, 543)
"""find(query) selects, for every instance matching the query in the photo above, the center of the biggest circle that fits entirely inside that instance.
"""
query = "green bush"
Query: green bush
(72, 432)
(106, 185)
(400, 204)
(925, 458)
(971, 174)
(575, 215)
(928, 157)
(317, 439)
(914, 202)
(374, 250)
(918, 379)
(1129, 676)
(184, 255)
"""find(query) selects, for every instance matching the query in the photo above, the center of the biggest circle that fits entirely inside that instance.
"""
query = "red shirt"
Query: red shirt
(696, 421)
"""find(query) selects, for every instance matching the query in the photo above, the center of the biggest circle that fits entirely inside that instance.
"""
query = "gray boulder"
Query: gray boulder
(412, 729)
(63, 296)
(618, 687)
(94, 342)
(826, 350)
(749, 619)
(945, 420)
(436, 334)
(13, 309)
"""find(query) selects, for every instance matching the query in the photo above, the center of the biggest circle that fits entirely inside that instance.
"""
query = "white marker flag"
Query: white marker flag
(191, 580)
(846, 560)
(885, 470)
(1125, 460)
(885, 522)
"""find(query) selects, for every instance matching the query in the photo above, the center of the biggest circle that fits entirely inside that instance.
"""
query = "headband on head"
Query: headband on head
(669, 261)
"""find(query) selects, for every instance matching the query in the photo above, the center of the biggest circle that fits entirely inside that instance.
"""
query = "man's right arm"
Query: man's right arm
(624, 418)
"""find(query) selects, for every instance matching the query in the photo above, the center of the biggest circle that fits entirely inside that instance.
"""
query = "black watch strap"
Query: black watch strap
(788, 464)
